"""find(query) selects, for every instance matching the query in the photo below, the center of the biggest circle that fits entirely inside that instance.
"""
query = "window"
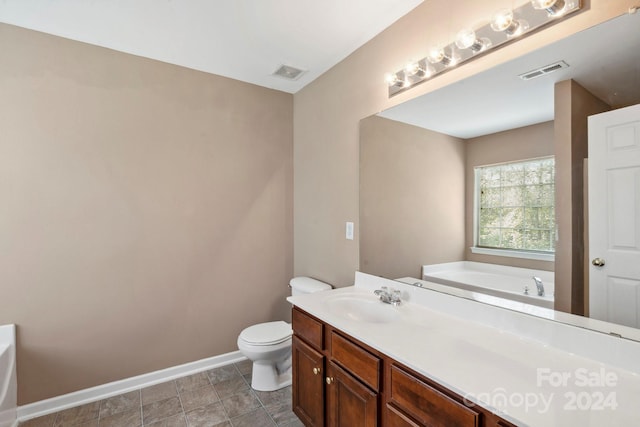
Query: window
(515, 208)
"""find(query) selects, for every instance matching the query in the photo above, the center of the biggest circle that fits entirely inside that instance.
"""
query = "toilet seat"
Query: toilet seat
(269, 333)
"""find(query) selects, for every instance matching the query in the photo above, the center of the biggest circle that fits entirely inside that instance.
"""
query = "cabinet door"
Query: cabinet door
(349, 402)
(308, 383)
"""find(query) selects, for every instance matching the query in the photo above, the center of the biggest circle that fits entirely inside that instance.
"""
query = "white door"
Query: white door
(614, 216)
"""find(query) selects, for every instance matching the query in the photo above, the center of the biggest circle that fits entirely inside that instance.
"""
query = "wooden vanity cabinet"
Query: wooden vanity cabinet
(338, 381)
(308, 369)
(308, 383)
(334, 384)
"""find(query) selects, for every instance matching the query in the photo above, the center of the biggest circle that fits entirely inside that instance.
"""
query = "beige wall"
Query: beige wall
(328, 111)
(516, 144)
(411, 198)
(146, 213)
(573, 104)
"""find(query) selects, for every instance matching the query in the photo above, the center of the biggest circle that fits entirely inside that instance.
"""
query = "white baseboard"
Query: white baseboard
(80, 397)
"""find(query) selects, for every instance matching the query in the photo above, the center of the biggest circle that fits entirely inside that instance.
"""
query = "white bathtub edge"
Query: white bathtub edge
(8, 379)
(8, 333)
(463, 275)
(80, 397)
(547, 276)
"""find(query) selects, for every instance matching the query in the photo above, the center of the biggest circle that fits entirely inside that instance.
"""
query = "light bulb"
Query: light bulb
(436, 55)
(503, 21)
(466, 39)
(391, 79)
(553, 7)
(542, 4)
(419, 69)
(413, 68)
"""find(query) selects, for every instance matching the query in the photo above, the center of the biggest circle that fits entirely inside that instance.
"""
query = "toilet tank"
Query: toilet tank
(307, 285)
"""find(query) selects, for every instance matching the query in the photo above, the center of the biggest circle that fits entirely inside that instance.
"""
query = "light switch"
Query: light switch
(349, 231)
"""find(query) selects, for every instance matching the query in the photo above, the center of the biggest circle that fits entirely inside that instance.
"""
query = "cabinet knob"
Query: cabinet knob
(316, 371)
(329, 380)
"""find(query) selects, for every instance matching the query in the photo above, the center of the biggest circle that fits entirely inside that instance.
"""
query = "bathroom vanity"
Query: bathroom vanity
(439, 360)
(339, 381)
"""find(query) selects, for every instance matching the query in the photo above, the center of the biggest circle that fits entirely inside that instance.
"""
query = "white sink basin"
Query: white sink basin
(362, 308)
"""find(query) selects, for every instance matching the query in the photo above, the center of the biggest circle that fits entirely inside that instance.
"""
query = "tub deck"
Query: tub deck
(496, 280)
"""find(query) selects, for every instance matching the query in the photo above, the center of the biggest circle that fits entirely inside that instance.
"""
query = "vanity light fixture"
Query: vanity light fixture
(505, 26)
(553, 7)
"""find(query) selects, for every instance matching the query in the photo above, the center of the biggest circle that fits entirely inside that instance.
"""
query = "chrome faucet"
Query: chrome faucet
(388, 296)
(539, 285)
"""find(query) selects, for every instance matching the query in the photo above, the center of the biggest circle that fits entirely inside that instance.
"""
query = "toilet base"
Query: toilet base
(265, 376)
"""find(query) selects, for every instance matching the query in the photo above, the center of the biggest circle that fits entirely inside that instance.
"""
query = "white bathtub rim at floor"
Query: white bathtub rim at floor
(8, 379)
(492, 279)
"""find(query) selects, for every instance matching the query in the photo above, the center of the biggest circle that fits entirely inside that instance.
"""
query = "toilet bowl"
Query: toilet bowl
(268, 345)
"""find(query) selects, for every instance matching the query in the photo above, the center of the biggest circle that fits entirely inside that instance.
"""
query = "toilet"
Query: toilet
(268, 345)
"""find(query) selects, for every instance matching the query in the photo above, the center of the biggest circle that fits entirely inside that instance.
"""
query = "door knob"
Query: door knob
(329, 380)
(316, 371)
(598, 262)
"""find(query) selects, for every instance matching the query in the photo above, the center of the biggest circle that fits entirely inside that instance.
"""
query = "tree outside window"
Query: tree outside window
(515, 206)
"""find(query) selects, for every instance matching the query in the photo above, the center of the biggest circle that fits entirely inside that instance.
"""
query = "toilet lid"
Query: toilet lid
(267, 333)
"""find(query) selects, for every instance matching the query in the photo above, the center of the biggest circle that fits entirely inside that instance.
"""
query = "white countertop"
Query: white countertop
(461, 345)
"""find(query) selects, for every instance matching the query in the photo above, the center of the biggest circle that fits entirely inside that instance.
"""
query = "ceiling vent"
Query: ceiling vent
(542, 71)
(288, 72)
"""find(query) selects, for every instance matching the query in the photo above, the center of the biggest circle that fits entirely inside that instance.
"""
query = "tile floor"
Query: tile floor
(220, 397)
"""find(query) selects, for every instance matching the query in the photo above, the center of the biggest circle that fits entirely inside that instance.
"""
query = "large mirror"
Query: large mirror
(418, 161)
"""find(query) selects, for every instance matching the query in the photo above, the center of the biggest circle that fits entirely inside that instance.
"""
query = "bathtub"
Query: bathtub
(8, 380)
(497, 280)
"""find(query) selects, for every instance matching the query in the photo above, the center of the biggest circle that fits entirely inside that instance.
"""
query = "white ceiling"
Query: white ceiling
(604, 59)
(242, 39)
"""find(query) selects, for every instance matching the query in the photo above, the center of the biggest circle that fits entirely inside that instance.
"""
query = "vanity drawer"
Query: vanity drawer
(362, 364)
(396, 418)
(427, 405)
(308, 328)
